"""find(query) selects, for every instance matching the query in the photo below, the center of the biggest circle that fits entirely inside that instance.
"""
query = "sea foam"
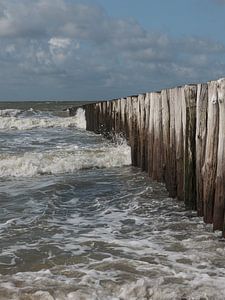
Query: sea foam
(63, 160)
(10, 112)
(10, 121)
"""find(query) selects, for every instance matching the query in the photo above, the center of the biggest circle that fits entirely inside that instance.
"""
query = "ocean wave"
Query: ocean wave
(12, 122)
(10, 112)
(63, 161)
(89, 287)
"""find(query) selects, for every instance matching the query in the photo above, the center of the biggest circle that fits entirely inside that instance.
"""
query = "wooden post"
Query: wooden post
(190, 147)
(146, 131)
(179, 141)
(141, 126)
(151, 135)
(157, 169)
(219, 205)
(201, 133)
(172, 186)
(134, 131)
(210, 163)
(165, 136)
(177, 136)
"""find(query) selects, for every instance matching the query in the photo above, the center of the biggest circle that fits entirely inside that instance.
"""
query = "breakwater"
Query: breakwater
(177, 135)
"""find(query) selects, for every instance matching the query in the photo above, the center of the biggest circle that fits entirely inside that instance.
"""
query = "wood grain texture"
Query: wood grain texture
(201, 133)
(210, 163)
(219, 204)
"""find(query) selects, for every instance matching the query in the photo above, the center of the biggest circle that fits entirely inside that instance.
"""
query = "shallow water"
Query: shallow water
(78, 222)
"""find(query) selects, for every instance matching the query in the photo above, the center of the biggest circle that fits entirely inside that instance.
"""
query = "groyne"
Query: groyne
(177, 135)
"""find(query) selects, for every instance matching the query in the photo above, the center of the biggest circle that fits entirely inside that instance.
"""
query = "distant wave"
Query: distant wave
(10, 112)
(10, 121)
(63, 161)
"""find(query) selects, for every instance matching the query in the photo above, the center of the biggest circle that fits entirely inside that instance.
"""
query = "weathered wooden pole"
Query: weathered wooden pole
(210, 164)
(178, 137)
(201, 133)
(179, 111)
(190, 147)
(166, 136)
(172, 185)
(219, 205)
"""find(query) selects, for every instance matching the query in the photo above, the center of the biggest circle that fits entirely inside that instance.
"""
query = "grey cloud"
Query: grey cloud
(77, 51)
(43, 18)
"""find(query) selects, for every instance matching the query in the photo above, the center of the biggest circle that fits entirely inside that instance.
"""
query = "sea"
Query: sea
(78, 222)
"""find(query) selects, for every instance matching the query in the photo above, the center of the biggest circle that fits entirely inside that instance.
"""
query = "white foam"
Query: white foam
(12, 122)
(42, 295)
(63, 160)
(137, 290)
(81, 120)
(141, 289)
(10, 112)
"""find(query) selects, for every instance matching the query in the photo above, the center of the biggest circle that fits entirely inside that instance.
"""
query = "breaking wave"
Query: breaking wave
(11, 121)
(63, 160)
(10, 112)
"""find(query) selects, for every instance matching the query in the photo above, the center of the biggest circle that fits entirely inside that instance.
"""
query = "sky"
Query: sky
(105, 49)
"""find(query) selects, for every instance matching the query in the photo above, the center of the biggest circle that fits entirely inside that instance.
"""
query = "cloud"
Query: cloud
(60, 48)
(65, 49)
(59, 43)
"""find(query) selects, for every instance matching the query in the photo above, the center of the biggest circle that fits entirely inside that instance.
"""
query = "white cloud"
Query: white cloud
(80, 48)
(59, 43)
